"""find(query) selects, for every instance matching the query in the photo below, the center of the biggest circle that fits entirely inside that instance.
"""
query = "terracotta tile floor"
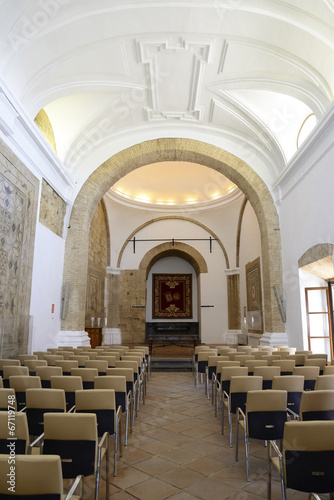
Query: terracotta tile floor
(177, 451)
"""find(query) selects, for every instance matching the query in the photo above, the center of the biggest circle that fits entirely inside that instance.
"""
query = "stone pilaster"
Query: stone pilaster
(111, 332)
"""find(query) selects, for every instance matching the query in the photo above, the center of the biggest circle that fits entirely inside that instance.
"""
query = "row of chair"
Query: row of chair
(69, 389)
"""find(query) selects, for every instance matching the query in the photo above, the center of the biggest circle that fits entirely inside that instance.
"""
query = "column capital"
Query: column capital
(232, 272)
(114, 270)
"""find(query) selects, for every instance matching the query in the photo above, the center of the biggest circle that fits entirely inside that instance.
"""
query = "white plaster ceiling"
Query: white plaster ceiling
(240, 74)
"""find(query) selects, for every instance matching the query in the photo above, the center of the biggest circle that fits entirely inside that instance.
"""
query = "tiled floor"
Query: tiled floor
(177, 451)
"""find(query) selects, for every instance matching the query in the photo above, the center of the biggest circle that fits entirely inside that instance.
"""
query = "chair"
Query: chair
(306, 461)
(286, 366)
(294, 385)
(73, 436)
(267, 373)
(66, 355)
(8, 371)
(317, 405)
(298, 358)
(52, 358)
(101, 365)
(33, 363)
(46, 372)
(66, 365)
(87, 375)
(321, 362)
(202, 363)
(137, 387)
(102, 402)
(131, 385)
(223, 387)
(264, 419)
(318, 356)
(239, 386)
(116, 354)
(41, 401)
(8, 362)
(271, 357)
(80, 358)
(14, 433)
(324, 382)
(1, 382)
(328, 370)
(7, 397)
(310, 374)
(123, 397)
(243, 358)
(70, 384)
(20, 383)
(111, 360)
(36, 476)
(25, 357)
(210, 373)
(252, 363)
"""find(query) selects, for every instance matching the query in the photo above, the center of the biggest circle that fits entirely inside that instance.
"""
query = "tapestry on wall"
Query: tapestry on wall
(172, 296)
(254, 296)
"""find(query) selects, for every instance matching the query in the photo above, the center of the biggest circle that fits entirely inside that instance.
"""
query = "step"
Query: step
(171, 365)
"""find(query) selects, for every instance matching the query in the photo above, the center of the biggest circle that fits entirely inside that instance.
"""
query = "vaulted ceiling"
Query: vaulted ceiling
(250, 76)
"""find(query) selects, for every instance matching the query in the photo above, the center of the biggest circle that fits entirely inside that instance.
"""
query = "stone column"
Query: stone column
(111, 332)
(233, 302)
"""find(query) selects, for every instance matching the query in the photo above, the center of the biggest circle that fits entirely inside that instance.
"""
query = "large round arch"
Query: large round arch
(171, 149)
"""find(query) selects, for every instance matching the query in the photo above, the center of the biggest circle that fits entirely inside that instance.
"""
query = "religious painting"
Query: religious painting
(172, 296)
(254, 296)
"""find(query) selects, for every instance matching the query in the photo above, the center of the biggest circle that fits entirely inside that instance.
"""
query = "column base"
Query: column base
(272, 339)
(231, 336)
(73, 339)
(111, 336)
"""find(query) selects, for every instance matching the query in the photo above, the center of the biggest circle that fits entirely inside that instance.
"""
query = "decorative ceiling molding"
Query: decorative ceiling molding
(190, 57)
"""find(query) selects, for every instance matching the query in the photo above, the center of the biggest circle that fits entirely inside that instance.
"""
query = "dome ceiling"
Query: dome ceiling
(174, 183)
(242, 76)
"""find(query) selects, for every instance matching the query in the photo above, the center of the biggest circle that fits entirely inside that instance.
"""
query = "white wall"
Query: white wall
(306, 217)
(46, 288)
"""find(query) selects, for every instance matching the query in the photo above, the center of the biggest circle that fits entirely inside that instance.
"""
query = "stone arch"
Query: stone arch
(171, 149)
(179, 249)
(157, 219)
(321, 252)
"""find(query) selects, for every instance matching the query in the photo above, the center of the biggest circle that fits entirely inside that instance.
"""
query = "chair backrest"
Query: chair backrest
(321, 362)
(33, 363)
(253, 363)
(25, 357)
(9, 362)
(70, 383)
(116, 382)
(318, 356)
(46, 372)
(101, 365)
(36, 476)
(324, 382)
(286, 366)
(299, 359)
(266, 414)
(127, 364)
(66, 365)
(271, 357)
(225, 350)
(239, 386)
(8, 371)
(20, 383)
(308, 456)
(267, 373)
(66, 355)
(7, 398)
(243, 358)
(329, 370)
(294, 385)
(51, 358)
(62, 431)
(111, 360)
(102, 402)
(125, 372)
(81, 358)
(115, 354)
(41, 401)
(87, 375)
(13, 424)
(310, 374)
(200, 348)
(317, 405)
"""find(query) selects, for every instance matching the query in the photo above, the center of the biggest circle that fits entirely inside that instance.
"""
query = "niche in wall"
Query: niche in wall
(172, 266)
